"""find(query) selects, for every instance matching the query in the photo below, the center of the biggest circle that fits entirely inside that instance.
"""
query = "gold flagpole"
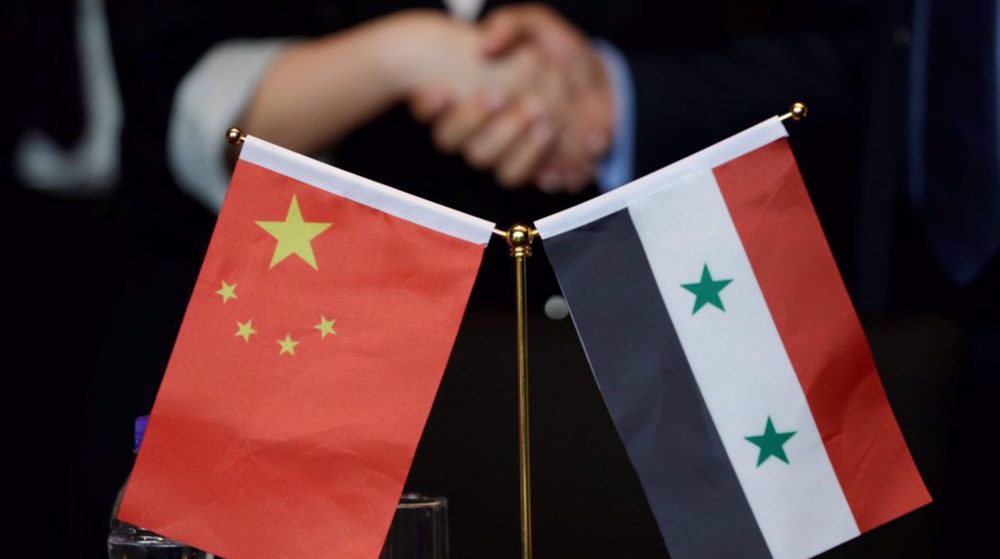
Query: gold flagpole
(519, 238)
(796, 112)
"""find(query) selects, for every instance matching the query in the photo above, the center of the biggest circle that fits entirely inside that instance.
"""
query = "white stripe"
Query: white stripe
(742, 368)
(643, 187)
(366, 191)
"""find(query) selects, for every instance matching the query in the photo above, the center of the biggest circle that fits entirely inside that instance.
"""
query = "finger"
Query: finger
(570, 180)
(524, 158)
(428, 103)
(459, 122)
(501, 30)
(573, 156)
(564, 170)
(598, 143)
(549, 177)
(579, 178)
(558, 39)
(597, 116)
(504, 27)
(486, 145)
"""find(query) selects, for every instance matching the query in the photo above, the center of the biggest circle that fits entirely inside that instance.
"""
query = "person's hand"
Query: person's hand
(317, 91)
(587, 135)
(510, 133)
(432, 51)
(552, 133)
(501, 115)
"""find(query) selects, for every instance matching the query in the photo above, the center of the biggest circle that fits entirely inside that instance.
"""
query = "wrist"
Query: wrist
(404, 48)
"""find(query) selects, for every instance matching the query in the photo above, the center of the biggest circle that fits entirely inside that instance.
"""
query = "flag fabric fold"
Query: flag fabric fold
(730, 357)
(306, 364)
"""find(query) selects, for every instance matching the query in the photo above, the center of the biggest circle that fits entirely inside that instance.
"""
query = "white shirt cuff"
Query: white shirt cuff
(213, 94)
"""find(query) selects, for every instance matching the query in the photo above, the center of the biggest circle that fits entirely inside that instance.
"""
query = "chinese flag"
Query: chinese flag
(306, 365)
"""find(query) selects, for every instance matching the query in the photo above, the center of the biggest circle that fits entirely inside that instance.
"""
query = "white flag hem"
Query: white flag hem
(606, 204)
(366, 191)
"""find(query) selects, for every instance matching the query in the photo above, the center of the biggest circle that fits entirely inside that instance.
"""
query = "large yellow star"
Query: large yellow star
(227, 291)
(287, 345)
(325, 327)
(245, 330)
(294, 235)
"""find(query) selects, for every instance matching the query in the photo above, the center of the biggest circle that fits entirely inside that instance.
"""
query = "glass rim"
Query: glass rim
(420, 501)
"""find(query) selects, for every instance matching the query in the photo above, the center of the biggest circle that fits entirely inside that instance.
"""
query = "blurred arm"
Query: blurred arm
(690, 98)
(318, 91)
(303, 95)
(210, 99)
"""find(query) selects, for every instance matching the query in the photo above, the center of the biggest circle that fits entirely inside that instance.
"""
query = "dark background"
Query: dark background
(98, 284)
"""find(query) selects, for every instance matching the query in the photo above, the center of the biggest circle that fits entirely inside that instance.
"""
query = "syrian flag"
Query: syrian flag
(730, 357)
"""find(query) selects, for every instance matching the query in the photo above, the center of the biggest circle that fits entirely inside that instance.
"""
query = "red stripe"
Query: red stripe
(821, 332)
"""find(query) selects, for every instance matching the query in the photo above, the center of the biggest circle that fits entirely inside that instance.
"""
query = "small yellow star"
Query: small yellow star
(287, 345)
(294, 235)
(245, 330)
(227, 291)
(325, 327)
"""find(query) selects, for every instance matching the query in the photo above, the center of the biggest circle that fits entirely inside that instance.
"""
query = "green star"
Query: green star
(707, 290)
(771, 443)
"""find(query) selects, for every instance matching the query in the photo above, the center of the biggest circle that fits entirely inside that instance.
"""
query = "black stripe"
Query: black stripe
(651, 393)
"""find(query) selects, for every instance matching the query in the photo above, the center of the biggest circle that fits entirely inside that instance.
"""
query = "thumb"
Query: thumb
(500, 31)
(429, 102)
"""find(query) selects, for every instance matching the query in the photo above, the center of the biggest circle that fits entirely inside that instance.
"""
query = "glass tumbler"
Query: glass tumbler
(419, 529)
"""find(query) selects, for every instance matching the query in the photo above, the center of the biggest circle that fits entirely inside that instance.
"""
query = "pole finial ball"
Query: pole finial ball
(799, 111)
(235, 136)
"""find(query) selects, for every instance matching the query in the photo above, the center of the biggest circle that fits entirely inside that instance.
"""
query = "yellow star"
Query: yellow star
(245, 329)
(227, 291)
(325, 327)
(294, 235)
(287, 345)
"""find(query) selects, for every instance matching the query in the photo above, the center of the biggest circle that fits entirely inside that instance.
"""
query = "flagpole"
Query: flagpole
(796, 112)
(519, 238)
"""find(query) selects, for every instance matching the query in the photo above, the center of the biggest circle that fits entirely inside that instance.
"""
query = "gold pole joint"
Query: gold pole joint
(519, 238)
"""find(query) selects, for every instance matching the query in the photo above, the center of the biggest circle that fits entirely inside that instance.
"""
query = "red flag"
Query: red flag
(306, 365)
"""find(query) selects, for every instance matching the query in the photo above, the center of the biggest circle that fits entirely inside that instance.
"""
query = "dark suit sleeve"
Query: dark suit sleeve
(703, 71)
(689, 99)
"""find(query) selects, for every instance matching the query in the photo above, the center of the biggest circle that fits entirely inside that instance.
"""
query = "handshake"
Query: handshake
(523, 95)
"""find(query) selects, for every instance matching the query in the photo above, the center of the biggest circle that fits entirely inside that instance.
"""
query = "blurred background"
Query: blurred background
(113, 163)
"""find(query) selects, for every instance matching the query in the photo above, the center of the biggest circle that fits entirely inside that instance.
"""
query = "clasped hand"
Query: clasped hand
(523, 95)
